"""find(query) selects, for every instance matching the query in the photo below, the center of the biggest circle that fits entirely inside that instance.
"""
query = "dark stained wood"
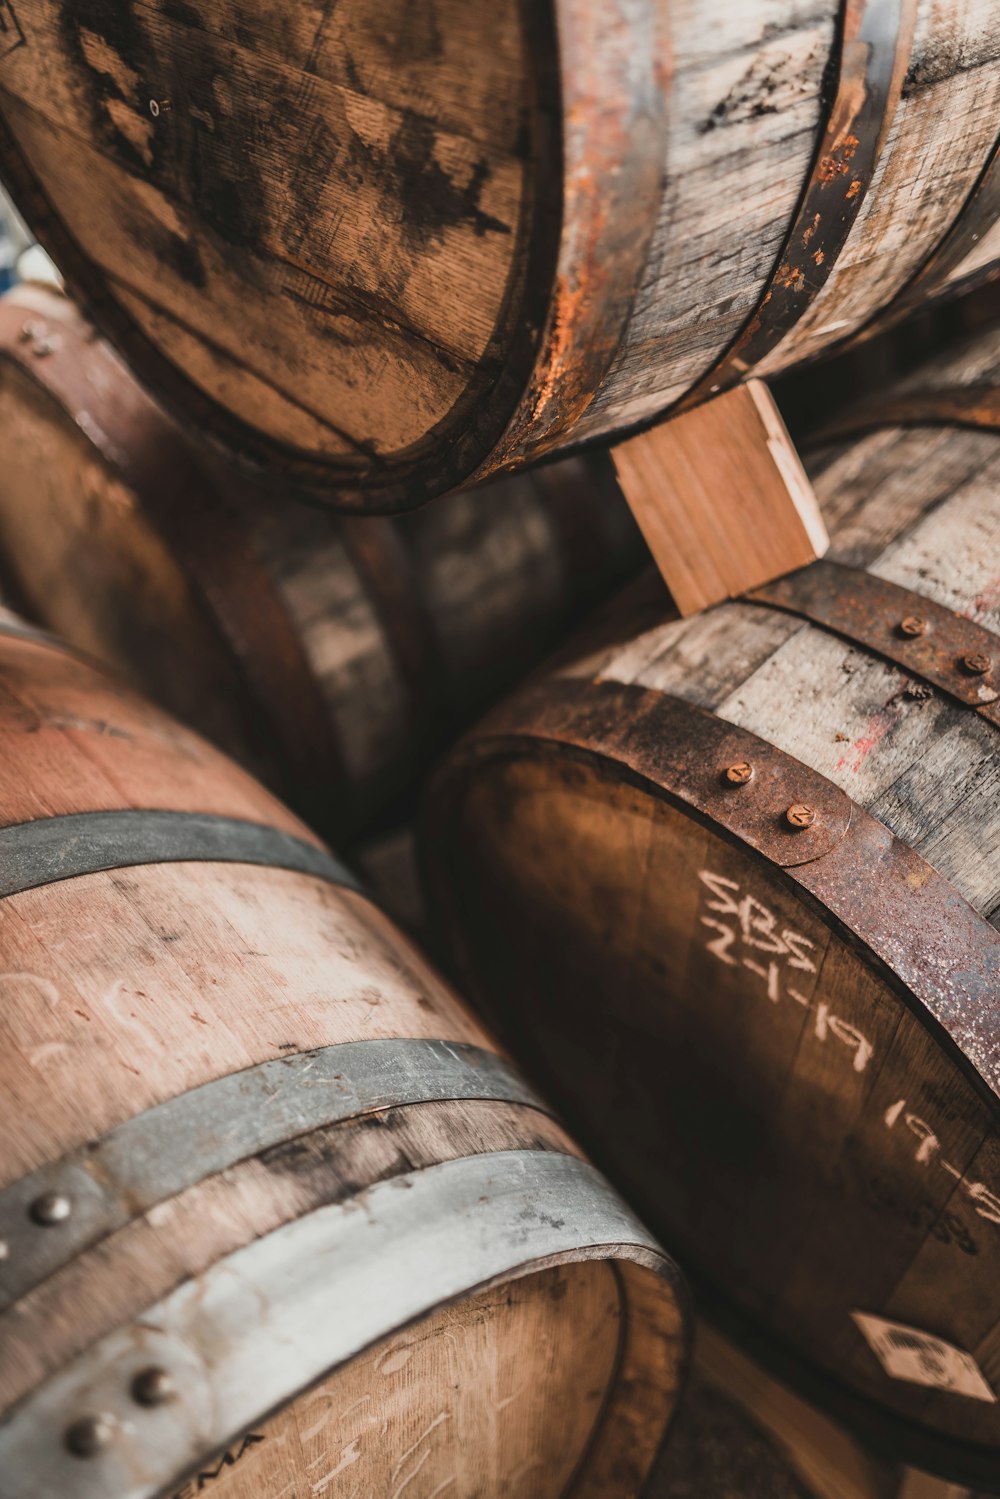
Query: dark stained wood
(383, 249)
(742, 1434)
(812, 1013)
(127, 987)
(332, 655)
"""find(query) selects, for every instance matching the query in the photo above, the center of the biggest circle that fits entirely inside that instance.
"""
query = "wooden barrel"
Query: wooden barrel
(275, 1215)
(736, 880)
(383, 250)
(332, 656)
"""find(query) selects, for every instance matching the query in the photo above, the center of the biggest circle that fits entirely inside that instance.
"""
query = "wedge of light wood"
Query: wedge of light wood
(722, 498)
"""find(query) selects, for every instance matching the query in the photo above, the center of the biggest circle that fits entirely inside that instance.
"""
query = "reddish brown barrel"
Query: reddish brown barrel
(736, 881)
(333, 656)
(388, 249)
(270, 1200)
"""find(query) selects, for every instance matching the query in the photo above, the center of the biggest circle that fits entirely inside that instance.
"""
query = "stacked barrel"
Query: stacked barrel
(259, 1159)
(386, 250)
(278, 1216)
(735, 883)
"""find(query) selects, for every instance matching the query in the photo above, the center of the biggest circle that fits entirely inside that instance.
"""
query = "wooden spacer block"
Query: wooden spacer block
(721, 497)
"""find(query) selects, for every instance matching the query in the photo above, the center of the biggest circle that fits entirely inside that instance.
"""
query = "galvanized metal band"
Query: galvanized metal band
(112, 1181)
(974, 406)
(924, 935)
(50, 849)
(875, 38)
(251, 1333)
(942, 648)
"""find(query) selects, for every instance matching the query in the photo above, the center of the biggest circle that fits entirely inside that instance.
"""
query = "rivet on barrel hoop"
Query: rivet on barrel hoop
(977, 664)
(88, 1436)
(799, 816)
(51, 1209)
(913, 625)
(153, 1386)
(740, 773)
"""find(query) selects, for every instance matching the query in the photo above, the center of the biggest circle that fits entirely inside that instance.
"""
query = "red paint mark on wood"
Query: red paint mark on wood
(876, 729)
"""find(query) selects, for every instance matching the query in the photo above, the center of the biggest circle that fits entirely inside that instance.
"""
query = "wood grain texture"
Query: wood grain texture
(370, 1429)
(381, 257)
(333, 656)
(675, 984)
(126, 988)
(721, 498)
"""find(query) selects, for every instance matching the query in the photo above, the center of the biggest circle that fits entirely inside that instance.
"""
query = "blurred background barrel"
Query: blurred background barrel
(735, 882)
(270, 1200)
(333, 656)
(383, 251)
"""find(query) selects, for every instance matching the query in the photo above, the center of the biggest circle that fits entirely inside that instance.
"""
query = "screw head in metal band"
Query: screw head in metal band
(153, 1386)
(799, 816)
(740, 773)
(976, 664)
(913, 625)
(89, 1436)
(51, 1209)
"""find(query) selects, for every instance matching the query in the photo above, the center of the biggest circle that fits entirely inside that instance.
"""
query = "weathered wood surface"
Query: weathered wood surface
(843, 1150)
(334, 656)
(367, 250)
(129, 986)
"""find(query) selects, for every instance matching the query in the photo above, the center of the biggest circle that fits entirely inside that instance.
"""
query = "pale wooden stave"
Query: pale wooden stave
(569, 884)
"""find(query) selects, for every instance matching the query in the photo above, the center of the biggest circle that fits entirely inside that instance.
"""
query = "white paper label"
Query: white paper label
(920, 1357)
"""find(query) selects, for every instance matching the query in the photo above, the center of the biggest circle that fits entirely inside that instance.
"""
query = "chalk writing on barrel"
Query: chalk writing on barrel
(742, 927)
